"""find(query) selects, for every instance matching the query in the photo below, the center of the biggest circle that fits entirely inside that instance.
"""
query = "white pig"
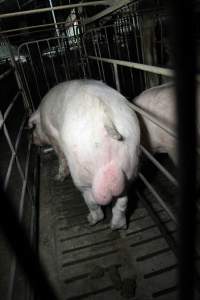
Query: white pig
(160, 103)
(96, 135)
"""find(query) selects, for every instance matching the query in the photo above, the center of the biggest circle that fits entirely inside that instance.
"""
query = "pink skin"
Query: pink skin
(93, 131)
(108, 182)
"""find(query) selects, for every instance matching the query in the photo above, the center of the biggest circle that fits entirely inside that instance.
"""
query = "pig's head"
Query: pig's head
(34, 124)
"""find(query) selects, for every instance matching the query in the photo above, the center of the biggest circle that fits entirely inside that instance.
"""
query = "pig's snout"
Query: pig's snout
(108, 182)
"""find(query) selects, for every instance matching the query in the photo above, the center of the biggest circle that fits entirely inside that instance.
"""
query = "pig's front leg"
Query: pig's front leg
(119, 213)
(96, 213)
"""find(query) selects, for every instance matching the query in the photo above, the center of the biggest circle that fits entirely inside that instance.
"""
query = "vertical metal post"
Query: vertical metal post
(116, 77)
(54, 18)
(185, 59)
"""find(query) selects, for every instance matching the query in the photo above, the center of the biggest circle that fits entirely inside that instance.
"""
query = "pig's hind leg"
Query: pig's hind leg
(63, 170)
(119, 213)
(96, 213)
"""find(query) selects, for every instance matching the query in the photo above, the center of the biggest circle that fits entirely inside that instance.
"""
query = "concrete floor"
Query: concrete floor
(86, 262)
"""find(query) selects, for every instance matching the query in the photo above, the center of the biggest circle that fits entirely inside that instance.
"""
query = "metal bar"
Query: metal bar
(47, 9)
(14, 152)
(108, 10)
(12, 278)
(171, 242)
(158, 198)
(159, 166)
(66, 61)
(52, 61)
(86, 57)
(117, 39)
(27, 86)
(128, 53)
(18, 78)
(33, 70)
(21, 203)
(6, 73)
(116, 77)
(54, 18)
(61, 47)
(34, 27)
(108, 47)
(102, 68)
(147, 68)
(95, 51)
(43, 66)
(10, 106)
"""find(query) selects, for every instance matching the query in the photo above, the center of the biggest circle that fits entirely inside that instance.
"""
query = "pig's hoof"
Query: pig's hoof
(119, 224)
(59, 177)
(95, 218)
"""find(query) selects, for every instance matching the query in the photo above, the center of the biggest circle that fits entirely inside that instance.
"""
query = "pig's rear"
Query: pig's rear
(101, 138)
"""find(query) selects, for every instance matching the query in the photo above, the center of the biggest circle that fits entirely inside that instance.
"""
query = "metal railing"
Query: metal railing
(10, 79)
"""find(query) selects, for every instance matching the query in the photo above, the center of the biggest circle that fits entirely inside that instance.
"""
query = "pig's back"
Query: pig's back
(159, 102)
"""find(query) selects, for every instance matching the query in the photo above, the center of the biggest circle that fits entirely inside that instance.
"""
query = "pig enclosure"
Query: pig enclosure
(127, 45)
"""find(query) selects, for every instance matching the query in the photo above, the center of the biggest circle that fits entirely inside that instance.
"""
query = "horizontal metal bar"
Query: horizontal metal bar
(6, 73)
(159, 166)
(55, 8)
(143, 67)
(36, 26)
(108, 10)
(47, 150)
(158, 198)
(42, 40)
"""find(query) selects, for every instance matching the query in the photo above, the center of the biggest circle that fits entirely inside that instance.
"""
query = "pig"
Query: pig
(160, 102)
(96, 136)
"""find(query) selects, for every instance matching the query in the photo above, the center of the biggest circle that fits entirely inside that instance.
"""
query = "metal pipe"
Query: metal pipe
(6, 73)
(33, 71)
(54, 17)
(10, 106)
(159, 166)
(52, 61)
(158, 198)
(99, 51)
(43, 66)
(113, 7)
(47, 9)
(34, 27)
(147, 68)
(116, 77)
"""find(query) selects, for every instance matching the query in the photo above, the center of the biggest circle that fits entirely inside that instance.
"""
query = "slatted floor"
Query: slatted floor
(73, 251)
